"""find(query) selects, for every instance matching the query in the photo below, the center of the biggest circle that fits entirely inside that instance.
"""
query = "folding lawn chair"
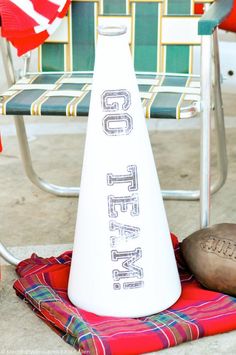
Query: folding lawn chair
(164, 36)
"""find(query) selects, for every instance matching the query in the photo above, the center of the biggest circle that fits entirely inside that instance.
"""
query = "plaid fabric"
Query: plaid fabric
(28, 23)
(197, 313)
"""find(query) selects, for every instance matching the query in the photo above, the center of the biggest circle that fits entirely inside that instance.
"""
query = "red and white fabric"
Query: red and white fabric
(28, 23)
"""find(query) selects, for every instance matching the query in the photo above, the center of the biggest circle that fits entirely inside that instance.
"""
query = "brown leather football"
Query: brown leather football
(210, 254)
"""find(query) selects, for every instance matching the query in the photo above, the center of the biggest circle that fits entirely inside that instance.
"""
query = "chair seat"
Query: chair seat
(163, 96)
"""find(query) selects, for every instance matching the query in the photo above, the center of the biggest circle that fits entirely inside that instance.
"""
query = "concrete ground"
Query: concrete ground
(34, 221)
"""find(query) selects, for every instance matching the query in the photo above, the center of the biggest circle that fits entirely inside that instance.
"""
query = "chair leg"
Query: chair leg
(8, 256)
(189, 195)
(205, 164)
(219, 132)
(219, 118)
(66, 191)
(27, 163)
(7, 61)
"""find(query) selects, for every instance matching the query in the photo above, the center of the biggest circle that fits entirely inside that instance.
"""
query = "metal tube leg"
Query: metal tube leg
(205, 177)
(74, 191)
(220, 137)
(219, 117)
(8, 256)
(27, 163)
(7, 61)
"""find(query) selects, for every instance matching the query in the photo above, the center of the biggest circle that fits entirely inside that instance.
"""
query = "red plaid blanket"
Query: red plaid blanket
(197, 313)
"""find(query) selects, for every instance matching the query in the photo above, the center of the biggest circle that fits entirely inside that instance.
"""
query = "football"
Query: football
(210, 254)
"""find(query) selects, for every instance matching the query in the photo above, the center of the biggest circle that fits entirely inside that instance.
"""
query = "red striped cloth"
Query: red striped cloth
(28, 23)
(197, 313)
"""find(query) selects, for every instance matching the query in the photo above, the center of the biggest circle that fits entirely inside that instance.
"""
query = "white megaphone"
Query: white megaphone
(123, 262)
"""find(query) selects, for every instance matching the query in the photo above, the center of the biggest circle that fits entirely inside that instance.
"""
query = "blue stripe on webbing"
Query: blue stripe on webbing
(82, 75)
(175, 81)
(71, 86)
(83, 35)
(144, 87)
(115, 7)
(46, 79)
(55, 105)
(83, 105)
(164, 105)
(21, 103)
(146, 76)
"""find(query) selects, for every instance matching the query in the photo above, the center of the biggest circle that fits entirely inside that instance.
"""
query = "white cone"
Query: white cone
(123, 262)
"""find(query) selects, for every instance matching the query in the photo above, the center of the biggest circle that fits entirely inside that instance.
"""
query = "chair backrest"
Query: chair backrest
(162, 36)
(159, 40)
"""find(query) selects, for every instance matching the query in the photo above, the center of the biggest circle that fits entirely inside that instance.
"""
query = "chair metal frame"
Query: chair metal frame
(210, 68)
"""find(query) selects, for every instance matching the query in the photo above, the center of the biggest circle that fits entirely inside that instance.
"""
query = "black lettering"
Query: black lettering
(131, 270)
(126, 232)
(117, 124)
(132, 285)
(131, 178)
(123, 202)
(114, 100)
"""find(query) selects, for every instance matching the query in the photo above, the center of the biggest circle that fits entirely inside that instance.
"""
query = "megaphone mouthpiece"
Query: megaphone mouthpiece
(111, 30)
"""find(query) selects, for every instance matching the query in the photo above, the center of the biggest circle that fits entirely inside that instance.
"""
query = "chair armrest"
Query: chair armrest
(214, 16)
